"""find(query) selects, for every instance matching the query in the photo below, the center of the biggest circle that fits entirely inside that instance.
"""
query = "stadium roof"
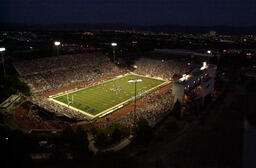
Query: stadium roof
(181, 52)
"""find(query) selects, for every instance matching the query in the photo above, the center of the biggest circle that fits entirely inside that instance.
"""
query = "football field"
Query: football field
(99, 99)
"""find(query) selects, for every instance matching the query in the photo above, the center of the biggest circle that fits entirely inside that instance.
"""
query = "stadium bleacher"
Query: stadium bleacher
(53, 73)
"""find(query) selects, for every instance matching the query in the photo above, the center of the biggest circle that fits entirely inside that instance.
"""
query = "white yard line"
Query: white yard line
(130, 99)
(120, 76)
(157, 78)
(113, 107)
(76, 109)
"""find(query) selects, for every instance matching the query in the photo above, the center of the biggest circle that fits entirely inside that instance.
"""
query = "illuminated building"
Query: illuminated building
(198, 84)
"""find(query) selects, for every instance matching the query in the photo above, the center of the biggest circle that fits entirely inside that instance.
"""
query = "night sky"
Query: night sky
(142, 12)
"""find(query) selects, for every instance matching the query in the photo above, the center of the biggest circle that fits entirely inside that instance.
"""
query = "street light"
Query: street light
(135, 81)
(114, 52)
(2, 49)
(57, 43)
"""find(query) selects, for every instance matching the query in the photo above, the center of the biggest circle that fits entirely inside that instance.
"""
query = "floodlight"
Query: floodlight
(57, 43)
(183, 77)
(114, 44)
(2, 49)
(209, 51)
(204, 66)
(135, 82)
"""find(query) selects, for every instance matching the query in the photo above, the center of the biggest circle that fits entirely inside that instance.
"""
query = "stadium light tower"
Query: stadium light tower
(204, 66)
(57, 43)
(114, 51)
(2, 49)
(135, 81)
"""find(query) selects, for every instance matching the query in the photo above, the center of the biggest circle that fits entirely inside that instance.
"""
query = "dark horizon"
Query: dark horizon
(168, 28)
(237, 13)
(125, 24)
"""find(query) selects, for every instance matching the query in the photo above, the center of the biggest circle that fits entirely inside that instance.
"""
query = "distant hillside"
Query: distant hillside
(118, 26)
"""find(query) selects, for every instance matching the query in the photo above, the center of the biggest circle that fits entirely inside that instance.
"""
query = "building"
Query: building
(198, 84)
(249, 72)
(212, 33)
(181, 55)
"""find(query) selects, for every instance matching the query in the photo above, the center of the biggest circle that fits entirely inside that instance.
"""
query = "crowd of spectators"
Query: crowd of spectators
(58, 62)
(36, 83)
(47, 74)
(154, 111)
(42, 76)
(29, 117)
(160, 68)
(57, 109)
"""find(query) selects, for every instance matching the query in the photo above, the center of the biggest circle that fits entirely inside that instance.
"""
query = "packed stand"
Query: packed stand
(58, 62)
(56, 108)
(42, 76)
(154, 111)
(160, 68)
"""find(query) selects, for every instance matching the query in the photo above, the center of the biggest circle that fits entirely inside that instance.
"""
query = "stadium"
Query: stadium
(90, 89)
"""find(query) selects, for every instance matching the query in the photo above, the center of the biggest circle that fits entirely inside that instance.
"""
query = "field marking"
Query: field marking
(147, 76)
(131, 98)
(123, 103)
(113, 79)
(113, 107)
(91, 87)
(73, 108)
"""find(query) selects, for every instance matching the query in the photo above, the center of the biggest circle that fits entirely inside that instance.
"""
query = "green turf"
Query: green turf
(98, 98)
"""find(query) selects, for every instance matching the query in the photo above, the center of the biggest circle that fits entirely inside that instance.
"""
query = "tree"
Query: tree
(172, 127)
(68, 134)
(143, 131)
(1, 118)
(176, 111)
(80, 145)
(100, 138)
(81, 133)
(117, 135)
